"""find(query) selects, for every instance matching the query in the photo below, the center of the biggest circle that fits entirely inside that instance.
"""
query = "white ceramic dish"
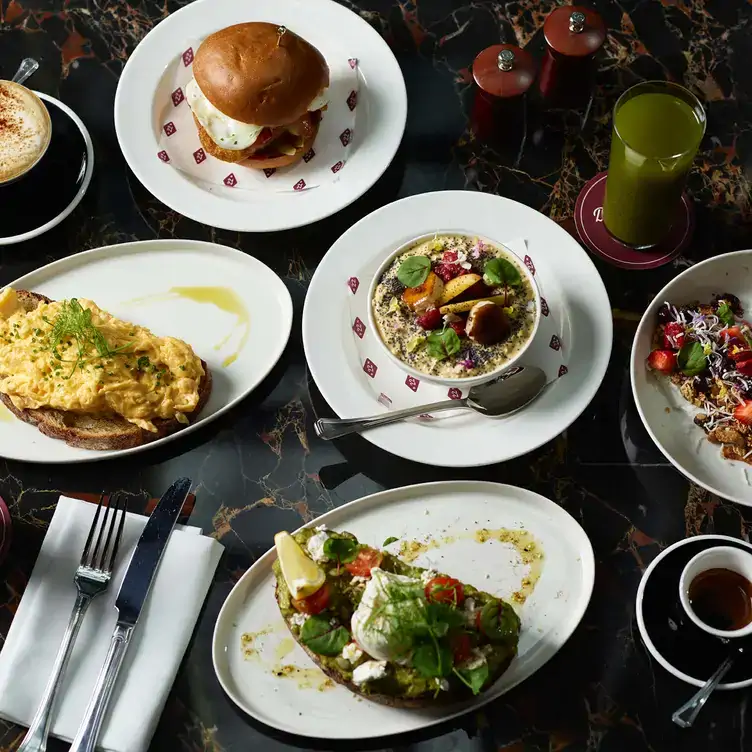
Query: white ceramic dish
(471, 380)
(129, 281)
(667, 416)
(572, 287)
(549, 615)
(382, 112)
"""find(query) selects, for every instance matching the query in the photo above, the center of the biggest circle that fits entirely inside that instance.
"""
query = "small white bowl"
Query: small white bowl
(718, 557)
(468, 381)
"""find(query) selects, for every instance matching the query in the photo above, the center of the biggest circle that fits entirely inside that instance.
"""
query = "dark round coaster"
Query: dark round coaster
(670, 635)
(52, 189)
(588, 218)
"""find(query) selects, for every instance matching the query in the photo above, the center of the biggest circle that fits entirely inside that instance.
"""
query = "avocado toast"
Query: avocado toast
(390, 632)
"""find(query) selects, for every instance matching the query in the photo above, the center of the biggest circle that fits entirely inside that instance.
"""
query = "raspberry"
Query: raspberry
(459, 327)
(430, 319)
(449, 256)
(448, 271)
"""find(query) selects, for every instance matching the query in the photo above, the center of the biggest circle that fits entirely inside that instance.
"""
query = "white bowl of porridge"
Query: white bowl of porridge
(454, 308)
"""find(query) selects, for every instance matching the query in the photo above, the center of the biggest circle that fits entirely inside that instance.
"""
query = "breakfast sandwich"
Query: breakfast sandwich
(390, 632)
(81, 375)
(257, 94)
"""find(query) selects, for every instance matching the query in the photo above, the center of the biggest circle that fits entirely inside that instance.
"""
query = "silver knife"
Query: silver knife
(130, 600)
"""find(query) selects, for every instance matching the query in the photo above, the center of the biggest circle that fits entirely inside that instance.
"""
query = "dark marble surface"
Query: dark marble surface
(261, 468)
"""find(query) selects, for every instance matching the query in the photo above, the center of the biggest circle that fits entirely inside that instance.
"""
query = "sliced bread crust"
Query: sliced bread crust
(98, 432)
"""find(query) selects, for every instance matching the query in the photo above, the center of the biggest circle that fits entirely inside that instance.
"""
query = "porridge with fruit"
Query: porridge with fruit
(454, 306)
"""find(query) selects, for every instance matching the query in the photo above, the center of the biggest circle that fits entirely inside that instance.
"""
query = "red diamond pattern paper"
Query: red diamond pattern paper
(454, 393)
(563, 370)
(370, 367)
(529, 264)
(199, 155)
(230, 181)
(188, 57)
(544, 307)
(299, 185)
(412, 383)
(177, 97)
(170, 129)
(359, 327)
(352, 100)
(353, 283)
(269, 171)
(345, 137)
(555, 343)
(337, 166)
(163, 155)
(309, 155)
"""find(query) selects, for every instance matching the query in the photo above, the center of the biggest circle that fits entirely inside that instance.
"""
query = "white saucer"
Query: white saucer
(382, 112)
(573, 288)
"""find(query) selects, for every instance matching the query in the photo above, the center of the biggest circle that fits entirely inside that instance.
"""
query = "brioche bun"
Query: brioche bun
(254, 73)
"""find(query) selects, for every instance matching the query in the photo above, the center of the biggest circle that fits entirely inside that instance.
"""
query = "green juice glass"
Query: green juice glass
(658, 127)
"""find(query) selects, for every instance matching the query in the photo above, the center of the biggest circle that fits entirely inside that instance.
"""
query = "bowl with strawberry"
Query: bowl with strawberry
(692, 374)
(454, 308)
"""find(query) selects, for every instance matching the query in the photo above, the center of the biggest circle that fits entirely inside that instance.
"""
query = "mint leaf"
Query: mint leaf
(474, 678)
(692, 359)
(390, 539)
(342, 550)
(432, 659)
(322, 638)
(725, 313)
(414, 271)
(441, 345)
(499, 271)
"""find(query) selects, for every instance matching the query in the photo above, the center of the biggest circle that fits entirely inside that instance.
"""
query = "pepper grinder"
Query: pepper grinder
(573, 35)
(504, 73)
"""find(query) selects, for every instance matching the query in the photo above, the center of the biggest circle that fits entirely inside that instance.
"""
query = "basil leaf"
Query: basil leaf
(725, 313)
(499, 271)
(692, 359)
(442, 344)
(474, 678)
(498, 621)
(343, 550)
(390, 539)
(432, 659)
(319, 636)
(414, 271)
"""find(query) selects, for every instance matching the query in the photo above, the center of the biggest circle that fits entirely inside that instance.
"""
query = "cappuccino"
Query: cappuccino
(25, 130)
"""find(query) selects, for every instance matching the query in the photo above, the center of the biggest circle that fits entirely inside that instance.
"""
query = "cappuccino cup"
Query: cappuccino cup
(25, 131)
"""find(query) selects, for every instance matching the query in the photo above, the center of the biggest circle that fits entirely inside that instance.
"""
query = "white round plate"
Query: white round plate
(382, 112)
(667, 416)
(462, 438)
(116, 277)
(295, 703)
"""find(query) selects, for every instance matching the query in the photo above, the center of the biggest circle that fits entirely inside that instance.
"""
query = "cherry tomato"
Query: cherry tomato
(462, 647)
(445, 590)
(316, 603)
(366, 560)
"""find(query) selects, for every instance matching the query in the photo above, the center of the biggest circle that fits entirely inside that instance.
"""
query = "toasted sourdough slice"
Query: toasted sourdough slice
(97, 432)
(370, 691)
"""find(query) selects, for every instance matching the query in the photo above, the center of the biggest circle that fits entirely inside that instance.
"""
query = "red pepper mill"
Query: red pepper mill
(573, 35)
(504, 73)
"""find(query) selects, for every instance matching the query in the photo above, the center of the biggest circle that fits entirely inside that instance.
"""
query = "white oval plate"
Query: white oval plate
(549, 616)
(325, 24)
(573, 286)
(116, 275)
(674, 432)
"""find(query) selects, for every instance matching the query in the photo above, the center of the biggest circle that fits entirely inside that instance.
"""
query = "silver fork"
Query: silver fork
(92, 578)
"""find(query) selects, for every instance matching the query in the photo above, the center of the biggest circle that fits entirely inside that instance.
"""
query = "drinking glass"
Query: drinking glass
(657, 130)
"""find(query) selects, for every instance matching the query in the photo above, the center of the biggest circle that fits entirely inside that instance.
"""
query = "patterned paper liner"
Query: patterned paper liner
(180, 147)
(396, 389)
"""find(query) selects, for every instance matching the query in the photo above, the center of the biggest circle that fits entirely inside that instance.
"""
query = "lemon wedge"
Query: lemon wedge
(302, 575)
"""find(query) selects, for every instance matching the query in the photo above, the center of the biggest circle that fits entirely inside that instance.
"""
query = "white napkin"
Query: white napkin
(156, 648)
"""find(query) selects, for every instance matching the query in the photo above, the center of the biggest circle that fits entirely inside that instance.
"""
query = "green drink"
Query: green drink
(657, 130)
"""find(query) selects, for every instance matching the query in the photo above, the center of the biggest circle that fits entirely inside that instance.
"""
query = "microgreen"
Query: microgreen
(390, 539)
(414, 270)
(343, 550)
(323, 638)
(692, 359)
(474, 678)
(725, 313)
(444, 343)
(498, 621)
(498, 271)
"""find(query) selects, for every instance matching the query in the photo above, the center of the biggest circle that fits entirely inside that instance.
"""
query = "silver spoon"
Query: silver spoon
(27, 68)
(505, 395)
(686, 715)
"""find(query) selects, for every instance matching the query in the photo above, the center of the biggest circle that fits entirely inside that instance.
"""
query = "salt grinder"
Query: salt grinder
(504, 73)
(573, 34)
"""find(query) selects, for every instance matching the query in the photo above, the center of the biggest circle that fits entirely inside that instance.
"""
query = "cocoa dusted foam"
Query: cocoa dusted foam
(25, 130)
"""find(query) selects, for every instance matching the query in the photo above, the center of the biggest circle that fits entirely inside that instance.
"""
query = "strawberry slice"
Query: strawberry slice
(743, 412)
(732, 332)
(673, 336)
(431, 319)
(662, 360)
